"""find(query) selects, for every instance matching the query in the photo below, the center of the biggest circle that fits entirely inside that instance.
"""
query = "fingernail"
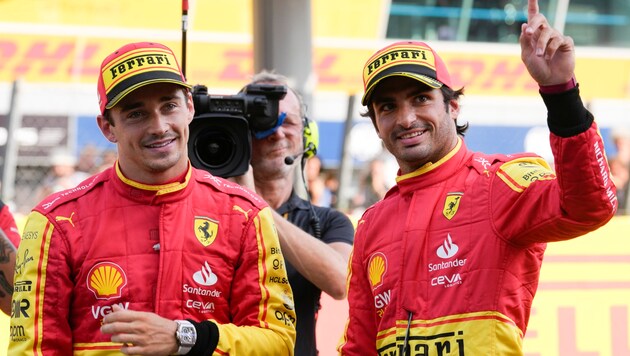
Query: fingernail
(539, 51)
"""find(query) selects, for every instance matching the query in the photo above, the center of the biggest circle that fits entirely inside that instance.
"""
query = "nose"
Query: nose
(279, 133)
(159, 124)
(406, 115)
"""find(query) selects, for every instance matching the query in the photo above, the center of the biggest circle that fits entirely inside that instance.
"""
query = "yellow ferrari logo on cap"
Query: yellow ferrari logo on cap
(206, 230)
(451, 204)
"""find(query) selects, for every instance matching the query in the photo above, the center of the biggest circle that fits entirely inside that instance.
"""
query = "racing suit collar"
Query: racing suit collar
(156, 190)
(432, 173)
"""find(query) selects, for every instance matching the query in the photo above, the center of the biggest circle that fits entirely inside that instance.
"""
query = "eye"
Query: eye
(385, 107)
(422, 98)
(171, 106)
(135, 115)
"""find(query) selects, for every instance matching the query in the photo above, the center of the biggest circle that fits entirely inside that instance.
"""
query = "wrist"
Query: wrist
(186, 336)
(558, 88)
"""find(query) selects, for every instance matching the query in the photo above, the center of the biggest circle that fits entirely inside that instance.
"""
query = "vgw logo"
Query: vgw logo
(101, 311)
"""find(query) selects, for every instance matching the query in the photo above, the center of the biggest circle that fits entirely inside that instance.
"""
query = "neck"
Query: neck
(274, 191)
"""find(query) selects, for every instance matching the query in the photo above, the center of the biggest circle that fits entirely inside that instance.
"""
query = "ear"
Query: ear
(376, 128)
(106, 128)
(191, 106)
(453, 106)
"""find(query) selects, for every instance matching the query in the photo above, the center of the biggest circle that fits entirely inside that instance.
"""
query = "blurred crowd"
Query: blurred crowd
(67, 170)
(620, 167)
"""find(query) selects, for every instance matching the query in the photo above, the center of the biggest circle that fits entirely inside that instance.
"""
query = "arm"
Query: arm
(7, 224)
(41, 299)
(325, 265)
(579, 195)
(359, 337)
(262, 302)
(9, 239)
(7, 263)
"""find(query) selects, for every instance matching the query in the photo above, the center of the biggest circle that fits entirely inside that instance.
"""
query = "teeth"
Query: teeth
(414, 134)
(158, 145)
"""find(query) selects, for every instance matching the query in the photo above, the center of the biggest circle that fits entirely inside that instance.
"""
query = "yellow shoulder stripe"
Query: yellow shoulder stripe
(520, 173)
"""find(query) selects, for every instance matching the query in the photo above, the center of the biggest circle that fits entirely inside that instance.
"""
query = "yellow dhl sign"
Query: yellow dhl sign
(582, 307)
(69, 59)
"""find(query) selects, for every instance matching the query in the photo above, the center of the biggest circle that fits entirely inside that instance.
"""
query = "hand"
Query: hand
(548, 55)
(141, 333)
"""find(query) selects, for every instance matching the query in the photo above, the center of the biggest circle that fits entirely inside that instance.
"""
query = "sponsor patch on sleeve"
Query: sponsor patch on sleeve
(520, 173)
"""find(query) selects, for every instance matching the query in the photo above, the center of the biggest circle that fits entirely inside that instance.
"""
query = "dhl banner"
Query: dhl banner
(65, 40)
(582, 307)
(67, 59)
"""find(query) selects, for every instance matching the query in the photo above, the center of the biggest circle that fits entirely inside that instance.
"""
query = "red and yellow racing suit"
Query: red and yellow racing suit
(202, 249)
(448, 263)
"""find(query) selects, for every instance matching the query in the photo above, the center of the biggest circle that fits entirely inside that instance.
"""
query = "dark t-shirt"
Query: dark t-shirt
(334, 227)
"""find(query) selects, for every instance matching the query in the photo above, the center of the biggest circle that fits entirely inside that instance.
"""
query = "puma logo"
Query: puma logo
(246, 213)
(63, 218)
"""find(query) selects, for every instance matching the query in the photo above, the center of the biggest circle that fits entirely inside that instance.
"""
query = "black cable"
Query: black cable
(317, 230)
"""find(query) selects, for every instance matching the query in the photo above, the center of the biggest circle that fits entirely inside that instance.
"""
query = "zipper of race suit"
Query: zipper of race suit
(405, 350)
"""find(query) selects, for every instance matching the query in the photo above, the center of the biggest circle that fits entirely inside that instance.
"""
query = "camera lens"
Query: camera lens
(214, 149)
(220, 144)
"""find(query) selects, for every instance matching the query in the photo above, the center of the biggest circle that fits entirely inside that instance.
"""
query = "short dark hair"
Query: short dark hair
(448, 94)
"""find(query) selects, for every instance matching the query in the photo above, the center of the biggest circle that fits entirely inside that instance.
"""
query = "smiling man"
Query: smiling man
(151, 256)
(448, 262)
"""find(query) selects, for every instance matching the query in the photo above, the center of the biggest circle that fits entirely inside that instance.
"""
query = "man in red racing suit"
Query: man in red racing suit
(479, 225)
(448, 263)
(188, 263)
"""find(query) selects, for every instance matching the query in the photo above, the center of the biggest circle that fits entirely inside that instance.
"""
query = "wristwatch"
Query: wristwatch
(186, 336)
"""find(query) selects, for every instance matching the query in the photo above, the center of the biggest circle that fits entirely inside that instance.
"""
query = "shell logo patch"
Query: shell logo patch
(377, 266)
(106, 280)
(206, 230)
(451, 204)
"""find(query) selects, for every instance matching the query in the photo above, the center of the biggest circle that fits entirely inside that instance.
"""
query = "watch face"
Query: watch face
(187, 339)
(188, 329)
(187, 335)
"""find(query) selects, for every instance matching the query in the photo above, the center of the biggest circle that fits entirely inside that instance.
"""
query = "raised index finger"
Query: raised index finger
(532, 9)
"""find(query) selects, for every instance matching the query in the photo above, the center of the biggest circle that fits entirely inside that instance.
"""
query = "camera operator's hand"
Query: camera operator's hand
(246, 180)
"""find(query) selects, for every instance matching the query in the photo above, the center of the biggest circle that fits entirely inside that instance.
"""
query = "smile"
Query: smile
(412, 134)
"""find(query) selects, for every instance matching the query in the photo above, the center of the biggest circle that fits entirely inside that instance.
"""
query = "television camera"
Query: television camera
(220, 132)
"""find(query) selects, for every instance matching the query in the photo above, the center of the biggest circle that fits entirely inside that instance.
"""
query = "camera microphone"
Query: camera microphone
(289, 160)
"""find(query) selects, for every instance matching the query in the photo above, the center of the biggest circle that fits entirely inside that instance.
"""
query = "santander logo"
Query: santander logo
(205, 276)
(448, 248)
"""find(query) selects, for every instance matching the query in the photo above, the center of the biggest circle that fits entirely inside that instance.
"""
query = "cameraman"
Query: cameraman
(314, 263)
